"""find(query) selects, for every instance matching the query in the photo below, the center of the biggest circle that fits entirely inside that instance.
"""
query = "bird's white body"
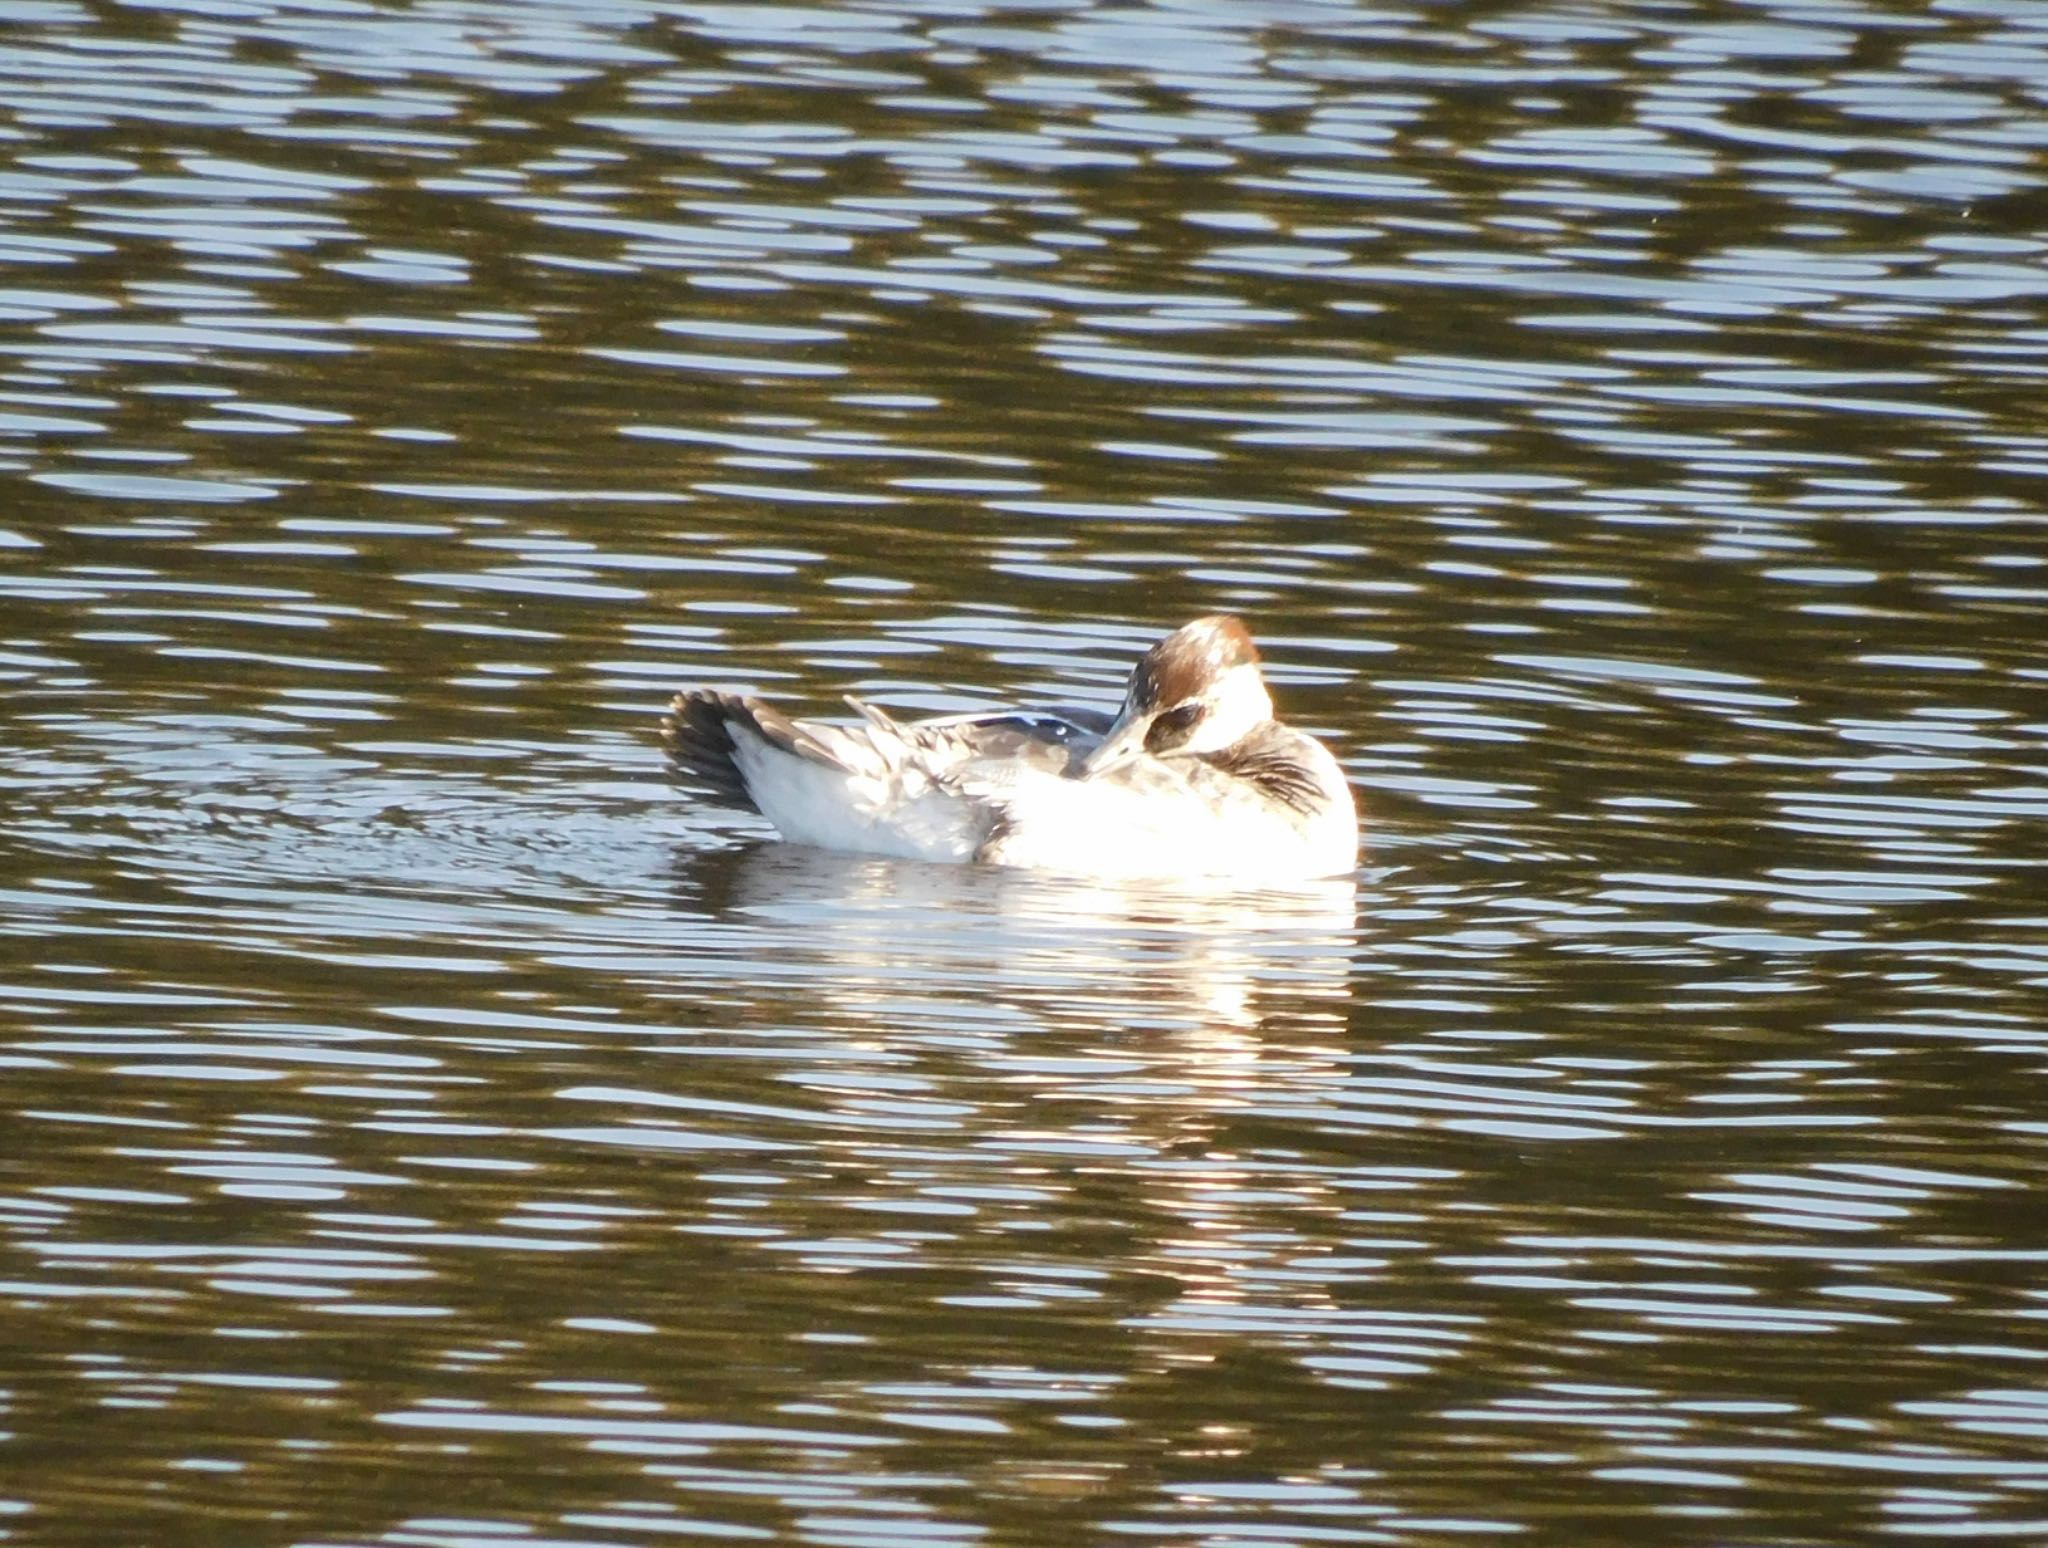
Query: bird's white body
(1193, 777)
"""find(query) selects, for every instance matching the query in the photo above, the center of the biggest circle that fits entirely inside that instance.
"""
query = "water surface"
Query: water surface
(1621, 426)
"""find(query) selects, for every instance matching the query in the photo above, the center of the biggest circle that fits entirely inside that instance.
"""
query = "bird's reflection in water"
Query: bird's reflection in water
(1078, 1026)
(1202, 965)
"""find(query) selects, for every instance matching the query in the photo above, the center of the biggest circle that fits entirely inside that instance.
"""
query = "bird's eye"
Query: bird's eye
(1171, 727)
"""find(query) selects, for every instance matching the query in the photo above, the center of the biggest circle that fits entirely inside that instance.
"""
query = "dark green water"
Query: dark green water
(1622, 425)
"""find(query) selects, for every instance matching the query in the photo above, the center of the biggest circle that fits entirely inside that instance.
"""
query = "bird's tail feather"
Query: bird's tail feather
(698, 737)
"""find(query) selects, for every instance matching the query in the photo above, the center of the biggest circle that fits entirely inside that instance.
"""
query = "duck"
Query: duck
(1192, 776)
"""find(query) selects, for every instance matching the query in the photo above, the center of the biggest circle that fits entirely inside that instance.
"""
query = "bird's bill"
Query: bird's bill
(1124, 741)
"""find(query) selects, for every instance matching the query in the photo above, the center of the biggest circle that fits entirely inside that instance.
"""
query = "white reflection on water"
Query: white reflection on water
(1200, 960)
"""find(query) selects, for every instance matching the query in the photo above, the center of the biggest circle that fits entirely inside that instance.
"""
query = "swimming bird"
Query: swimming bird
(1190, 777)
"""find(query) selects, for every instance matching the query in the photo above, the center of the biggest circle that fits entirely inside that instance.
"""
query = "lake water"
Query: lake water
(1622, 425)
